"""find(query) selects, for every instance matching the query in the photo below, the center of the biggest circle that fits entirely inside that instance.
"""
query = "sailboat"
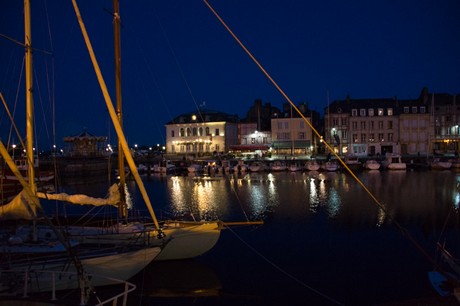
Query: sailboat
(31, 248)
(178, 239)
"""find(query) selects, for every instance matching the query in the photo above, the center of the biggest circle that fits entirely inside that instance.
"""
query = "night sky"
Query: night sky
(176, 56)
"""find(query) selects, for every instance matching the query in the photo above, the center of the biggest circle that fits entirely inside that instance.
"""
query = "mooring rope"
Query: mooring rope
(297, 280)
(403, 230)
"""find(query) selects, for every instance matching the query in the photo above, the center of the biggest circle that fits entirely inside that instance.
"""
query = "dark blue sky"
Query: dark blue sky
(176, 55)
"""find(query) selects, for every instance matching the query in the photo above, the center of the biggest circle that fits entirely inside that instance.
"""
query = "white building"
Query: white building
(201, 133)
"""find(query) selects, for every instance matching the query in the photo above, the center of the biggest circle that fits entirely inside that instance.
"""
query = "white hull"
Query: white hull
(312, 166)
(295, 168)
(440, 165)
(330, 166)
(371, 165)
(397, 166)
(189, 239)
(106, 269)
(183, 239)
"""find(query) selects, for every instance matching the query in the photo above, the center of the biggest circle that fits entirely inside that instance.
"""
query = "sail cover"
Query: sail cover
(21, 207)
(113, 198)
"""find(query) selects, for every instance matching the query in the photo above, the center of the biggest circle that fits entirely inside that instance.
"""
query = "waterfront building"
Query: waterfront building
(291, 135)
(251, 140)
(415, 126)
(445, 122)
(204, 132)
(362, 127)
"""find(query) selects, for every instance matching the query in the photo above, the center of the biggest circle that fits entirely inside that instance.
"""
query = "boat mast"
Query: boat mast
(113, 116)
(29, 96)
(121, 158)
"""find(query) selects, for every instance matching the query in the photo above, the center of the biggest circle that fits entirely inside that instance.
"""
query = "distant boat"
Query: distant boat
(394, 162)
(294, 167)
(371, 164)
(164, 167)
(195, 168)
(278, 165)
(352, 162)
(257, 166)
(439, 164)
(330, 166)
(312, 165)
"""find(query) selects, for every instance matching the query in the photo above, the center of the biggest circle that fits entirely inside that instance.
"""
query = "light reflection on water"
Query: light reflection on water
(405, 195)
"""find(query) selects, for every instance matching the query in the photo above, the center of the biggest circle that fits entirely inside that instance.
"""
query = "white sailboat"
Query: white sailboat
(178, 239)
(33, 248)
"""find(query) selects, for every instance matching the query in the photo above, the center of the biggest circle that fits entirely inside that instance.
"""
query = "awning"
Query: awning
(289, 144)
(249, 147)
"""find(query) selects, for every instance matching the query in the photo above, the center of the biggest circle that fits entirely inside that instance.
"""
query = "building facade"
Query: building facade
(201, 133)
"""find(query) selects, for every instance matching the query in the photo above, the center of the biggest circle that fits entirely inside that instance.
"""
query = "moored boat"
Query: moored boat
(439, 164)
(312, 165)
(394, 162)
(371, 164)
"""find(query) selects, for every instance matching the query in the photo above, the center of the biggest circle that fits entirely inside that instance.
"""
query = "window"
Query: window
(344, 121)
(189, 132)
(301, 135)
(280, 125)
(335, 121)
(362, 112)
(371, 137)
(207, 131)
(380, 124)
(344, 134)
(194, 131)
(371, 125)
(354, 125)
(253, 140)
(354, 112)
(286, 124)
(355, 137)
(380, 111)
(363, 125)
(370, 111)
(182, 132)
(390, 136)
(381, 137)
(390, 112)
(200, 131)
(217, 133)
(363, 138)
(414, 109)
(422, 109)
(390, 124)
(302, 124)
(172, 133)
(406, 110)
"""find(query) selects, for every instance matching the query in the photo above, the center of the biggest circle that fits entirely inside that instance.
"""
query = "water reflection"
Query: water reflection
(179, 278)
(405, 195)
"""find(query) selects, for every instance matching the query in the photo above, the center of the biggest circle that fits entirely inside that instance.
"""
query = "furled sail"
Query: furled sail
(113, 198)
(21, 207)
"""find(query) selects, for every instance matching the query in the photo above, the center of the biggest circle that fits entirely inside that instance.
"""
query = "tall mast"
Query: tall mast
(29, 96)
(121, 157)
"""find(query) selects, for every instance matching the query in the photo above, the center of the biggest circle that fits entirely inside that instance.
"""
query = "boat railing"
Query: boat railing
(56, 276)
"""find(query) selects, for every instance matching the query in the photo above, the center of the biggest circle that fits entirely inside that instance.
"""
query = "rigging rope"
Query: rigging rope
(282, 271)
(404, 231)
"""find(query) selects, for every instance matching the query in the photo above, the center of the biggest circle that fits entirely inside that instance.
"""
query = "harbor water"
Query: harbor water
(326, 240)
